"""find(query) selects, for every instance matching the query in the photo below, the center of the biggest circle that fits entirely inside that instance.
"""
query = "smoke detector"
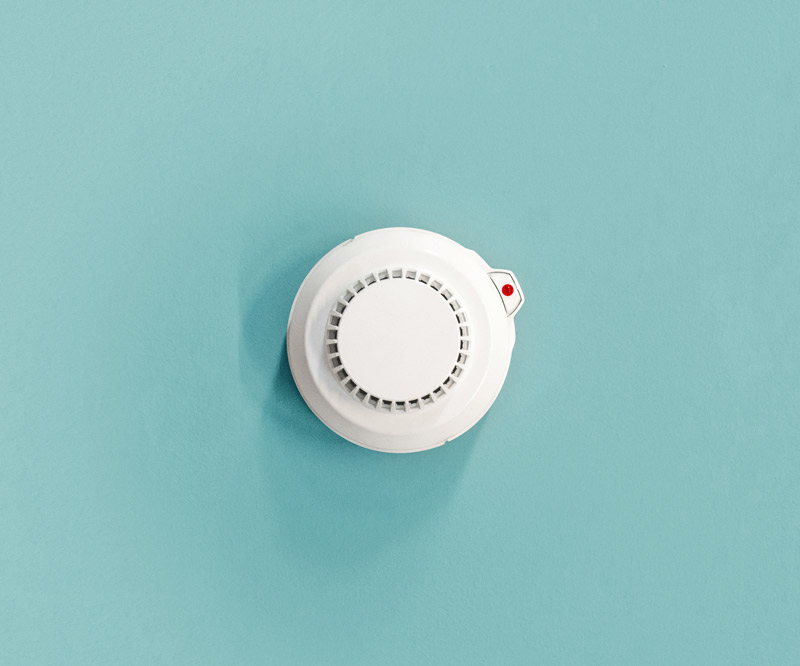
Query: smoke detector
(400, 339)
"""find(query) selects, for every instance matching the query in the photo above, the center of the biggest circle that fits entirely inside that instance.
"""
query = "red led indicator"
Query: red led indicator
(508, 289)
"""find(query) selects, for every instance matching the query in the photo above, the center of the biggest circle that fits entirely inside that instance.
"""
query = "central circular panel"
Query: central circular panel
(398, 339)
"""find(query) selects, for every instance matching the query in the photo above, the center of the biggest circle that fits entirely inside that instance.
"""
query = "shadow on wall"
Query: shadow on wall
(332, 503)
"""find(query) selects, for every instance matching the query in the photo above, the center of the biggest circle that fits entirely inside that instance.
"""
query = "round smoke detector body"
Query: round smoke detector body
(399, 339)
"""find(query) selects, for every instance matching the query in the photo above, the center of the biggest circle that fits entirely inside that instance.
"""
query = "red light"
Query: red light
(508, 289)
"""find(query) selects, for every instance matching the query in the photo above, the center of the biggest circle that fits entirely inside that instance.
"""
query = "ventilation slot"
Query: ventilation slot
(412, 403)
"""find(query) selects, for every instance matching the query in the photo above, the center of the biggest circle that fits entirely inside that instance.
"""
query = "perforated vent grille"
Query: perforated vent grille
(377, 402)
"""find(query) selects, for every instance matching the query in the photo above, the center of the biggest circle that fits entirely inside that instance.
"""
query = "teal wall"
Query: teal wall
(168, 174)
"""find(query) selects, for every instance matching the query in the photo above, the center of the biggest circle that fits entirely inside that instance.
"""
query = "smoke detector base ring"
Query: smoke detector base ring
(400, 339)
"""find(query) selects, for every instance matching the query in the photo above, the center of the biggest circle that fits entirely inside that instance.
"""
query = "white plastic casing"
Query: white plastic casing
(400, 339)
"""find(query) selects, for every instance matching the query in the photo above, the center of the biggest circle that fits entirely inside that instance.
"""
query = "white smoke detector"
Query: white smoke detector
(400, 339)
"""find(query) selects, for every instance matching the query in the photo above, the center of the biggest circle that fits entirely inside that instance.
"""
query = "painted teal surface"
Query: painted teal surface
(168, 174)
